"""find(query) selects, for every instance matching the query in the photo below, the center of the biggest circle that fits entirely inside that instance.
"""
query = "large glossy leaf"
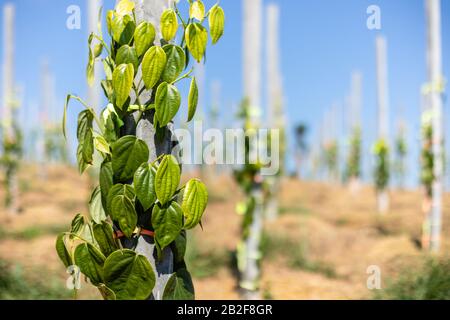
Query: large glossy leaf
(144, 185)
(96, 207)
(169, 24)
(167, 179)
(90, 261)
(129, 275)
(196, 40)
(167, 103)
(179, 286)
(153, 65)
(144, 36)
(195, 199)
(117, 190)
(104, 235)
(128, 153)
(123, 29)
(216, 21)
(197, 10)
(176, 62)
(106, 181)
(62, 251)
(126, 55)
(123, 211)
(123, 77)
(167, 222)
(192, 99)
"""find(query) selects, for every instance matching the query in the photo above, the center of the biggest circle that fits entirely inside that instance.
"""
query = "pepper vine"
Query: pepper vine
(137, 196)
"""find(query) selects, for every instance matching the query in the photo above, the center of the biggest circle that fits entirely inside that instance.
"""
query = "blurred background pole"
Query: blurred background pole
(275, 112)
(435, 78)
(383, 111)
(252, 28)
(94, 91)
(9, 99)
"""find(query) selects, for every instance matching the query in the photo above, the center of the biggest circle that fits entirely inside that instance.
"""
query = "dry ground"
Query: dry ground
(334, 235)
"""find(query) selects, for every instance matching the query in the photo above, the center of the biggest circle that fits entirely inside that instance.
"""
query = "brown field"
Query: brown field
(319, 248)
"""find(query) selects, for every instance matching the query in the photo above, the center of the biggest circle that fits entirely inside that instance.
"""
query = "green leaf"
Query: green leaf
(98, 49)
(179, 286)
(82, 165)
(129, 275)
(195, 199)
(176, 62)
(179, 250)
(106, 292)
(123, 29)
(192, 99)
(117, 190)
(167, 222)
(85, 135)
(197, 10)
(196, 40)
(77, 225)
(216, 23)
(153, 65)
(104, 235)
(123, 211)
(106, 181)
(62, 251)
(144, 36)
(128, 153)
(95, 206)
(144, 178)
(126, 55)
(167, 179)
(167, 103)
(90, 261)
(109, 21)
(169, 24)
(101, 145)
(123, 77)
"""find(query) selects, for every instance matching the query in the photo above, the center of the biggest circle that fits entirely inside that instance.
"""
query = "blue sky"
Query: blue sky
(322, 42)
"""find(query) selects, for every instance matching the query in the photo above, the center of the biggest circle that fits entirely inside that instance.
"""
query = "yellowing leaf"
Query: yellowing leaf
(192, 99)
(196, 40)
(197, 10)
(169, 24)
(153, 65)
(124, 7)
(216, 23)
(195, 198)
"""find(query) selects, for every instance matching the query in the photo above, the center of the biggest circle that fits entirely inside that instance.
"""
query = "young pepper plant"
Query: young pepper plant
(139, 193)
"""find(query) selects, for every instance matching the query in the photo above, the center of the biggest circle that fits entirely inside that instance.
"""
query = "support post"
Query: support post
(9, 100)
(275, 103)
(252, 21)
(151, 11)
(383, 114)
(435, 78)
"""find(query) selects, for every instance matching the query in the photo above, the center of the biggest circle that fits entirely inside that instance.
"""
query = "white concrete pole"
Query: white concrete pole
(95, 91)
(435, 77)
(252, 26)
(382, 89)
(383, 110)
(8, 66)
(9, 99)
